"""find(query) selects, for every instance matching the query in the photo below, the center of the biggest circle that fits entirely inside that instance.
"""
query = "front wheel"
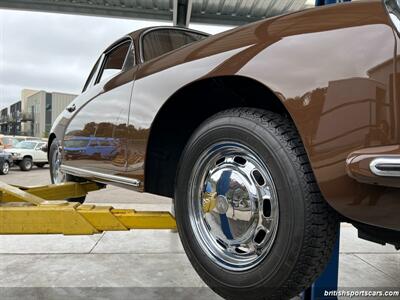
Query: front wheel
(249, 212)
(26, 164)
(56, 174)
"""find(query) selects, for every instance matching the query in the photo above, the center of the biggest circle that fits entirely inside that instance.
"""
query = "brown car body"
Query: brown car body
(332, 70)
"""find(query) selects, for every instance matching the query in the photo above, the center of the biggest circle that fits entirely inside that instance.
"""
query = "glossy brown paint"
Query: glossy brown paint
(101, 127)
(333, 68)
(331, 95)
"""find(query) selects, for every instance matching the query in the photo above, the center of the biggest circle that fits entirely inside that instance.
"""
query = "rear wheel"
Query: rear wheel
(249, 212)
(26, 164)
(4, 168)
(56, 174)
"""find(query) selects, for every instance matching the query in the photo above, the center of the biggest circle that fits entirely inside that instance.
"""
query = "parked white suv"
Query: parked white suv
(25, 154)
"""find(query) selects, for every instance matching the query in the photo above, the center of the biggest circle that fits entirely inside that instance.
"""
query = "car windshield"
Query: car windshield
(76, 143)
(26, 145)
(10, 141)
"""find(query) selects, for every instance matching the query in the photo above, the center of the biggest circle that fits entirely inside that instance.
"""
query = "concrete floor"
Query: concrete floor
(145, 263)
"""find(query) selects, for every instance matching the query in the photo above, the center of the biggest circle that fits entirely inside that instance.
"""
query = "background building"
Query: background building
(10, 121)
(4, 120)
(14, 118)
(34, 114)
(43, 108)
(25, 126)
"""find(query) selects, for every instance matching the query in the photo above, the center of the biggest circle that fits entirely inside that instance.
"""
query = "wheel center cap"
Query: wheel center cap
(222, 204)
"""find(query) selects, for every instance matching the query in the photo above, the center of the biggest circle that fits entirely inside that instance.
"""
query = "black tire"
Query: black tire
(307, 226)
(26, 164)
(53, 148)
(40, 165)
(4, 168)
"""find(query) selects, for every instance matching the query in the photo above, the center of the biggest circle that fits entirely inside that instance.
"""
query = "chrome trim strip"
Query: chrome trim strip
(374, 166)
(86, 173)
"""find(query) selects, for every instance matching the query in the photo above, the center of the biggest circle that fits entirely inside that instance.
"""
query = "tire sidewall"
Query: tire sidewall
(279, 262)
(53, 147)
(23, 164)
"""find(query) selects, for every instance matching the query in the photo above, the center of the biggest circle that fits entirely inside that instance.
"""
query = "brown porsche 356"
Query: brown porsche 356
(266, 136)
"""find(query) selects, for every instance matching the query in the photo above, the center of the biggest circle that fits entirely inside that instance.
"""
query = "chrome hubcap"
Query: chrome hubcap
(234, 206)
(58, 175)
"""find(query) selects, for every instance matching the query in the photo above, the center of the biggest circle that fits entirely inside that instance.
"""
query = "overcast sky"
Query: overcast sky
(55, 52)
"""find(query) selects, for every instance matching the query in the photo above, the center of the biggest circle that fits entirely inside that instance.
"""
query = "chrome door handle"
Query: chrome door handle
(71, 108)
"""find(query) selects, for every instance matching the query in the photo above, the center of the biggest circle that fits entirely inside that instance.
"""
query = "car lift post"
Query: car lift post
(328, 280)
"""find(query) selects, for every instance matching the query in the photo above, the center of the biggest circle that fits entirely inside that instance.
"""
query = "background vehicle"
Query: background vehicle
(6, 162)
(261, 134)
(21, 138)
(90, 147)
(7, 142)
(28, 153)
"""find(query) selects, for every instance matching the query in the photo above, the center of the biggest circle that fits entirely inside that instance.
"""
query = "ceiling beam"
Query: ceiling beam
(87, 9)
(180, 12)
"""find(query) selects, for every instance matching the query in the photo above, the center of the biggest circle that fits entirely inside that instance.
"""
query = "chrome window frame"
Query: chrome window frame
(131, 51)
(93, 74)
(143, 34)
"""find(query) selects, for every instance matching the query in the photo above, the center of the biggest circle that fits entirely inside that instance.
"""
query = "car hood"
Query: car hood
(15, 150)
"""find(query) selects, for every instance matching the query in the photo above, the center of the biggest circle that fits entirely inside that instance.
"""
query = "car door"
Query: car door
(152, 44)
(30, 150)
(106, 115)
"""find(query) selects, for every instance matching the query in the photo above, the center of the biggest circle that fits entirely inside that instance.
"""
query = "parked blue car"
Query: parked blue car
(90, 147)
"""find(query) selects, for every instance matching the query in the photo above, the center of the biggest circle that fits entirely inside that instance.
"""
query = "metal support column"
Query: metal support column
(325, 2)
(182, 10)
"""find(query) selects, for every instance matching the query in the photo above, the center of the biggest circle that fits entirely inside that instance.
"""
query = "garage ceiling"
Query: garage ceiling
(223, 12)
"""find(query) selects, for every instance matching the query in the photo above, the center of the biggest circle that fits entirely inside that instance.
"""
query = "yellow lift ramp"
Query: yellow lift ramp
(43, 209)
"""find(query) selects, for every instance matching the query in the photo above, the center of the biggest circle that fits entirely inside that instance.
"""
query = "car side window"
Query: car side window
(160, 41)
(114, 61)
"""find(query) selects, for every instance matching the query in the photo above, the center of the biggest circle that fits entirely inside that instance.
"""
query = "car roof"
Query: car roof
(135, 35)
(34, 141)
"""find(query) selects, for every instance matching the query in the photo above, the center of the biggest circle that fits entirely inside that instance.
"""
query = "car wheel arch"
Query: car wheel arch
(231, 91)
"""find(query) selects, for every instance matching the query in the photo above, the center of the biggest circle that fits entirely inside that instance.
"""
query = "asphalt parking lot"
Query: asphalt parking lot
(149, 264)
